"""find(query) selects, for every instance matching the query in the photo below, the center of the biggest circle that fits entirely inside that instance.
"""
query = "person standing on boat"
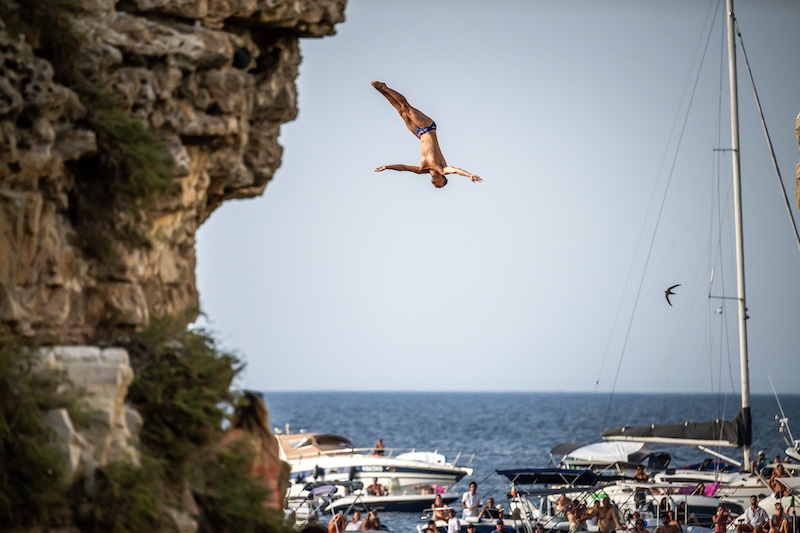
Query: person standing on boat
(755, 518)
(608, 519)
(424, 129)
(471, 503)
(577, 516)
(640, 496)
(453, 526)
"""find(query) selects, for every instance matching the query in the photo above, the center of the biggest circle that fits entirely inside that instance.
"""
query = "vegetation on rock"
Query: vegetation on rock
(32, 490)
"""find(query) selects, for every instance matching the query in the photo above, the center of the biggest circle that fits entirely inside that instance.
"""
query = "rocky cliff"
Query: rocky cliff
(214, 79)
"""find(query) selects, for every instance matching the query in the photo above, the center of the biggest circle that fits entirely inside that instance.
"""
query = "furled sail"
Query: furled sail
(734, 433)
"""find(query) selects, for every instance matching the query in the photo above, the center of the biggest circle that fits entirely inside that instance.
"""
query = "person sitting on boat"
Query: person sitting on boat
(355, 524)
(608, 519)
(779, 523)
(684, 516)
(755, 518)
(721, 519)
(440, 510)
(760, 464)
(672, 521)
(666, 527)
(638, 526)
(378, 449)
(490, 511)
(499, 526)
(376, 489)
(774, 485)
(453, 526)
(471, 502)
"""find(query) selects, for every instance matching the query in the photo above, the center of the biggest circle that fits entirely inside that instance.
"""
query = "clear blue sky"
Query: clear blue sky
(575, 114)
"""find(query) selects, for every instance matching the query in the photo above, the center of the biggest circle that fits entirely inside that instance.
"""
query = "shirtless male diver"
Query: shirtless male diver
(424, 128)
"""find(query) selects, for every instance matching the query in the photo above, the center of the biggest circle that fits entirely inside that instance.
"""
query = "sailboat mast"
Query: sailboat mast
(737, 200)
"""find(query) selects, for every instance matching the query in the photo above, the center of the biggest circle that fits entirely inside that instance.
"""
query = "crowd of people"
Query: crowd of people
(602, 514)
(339, 523)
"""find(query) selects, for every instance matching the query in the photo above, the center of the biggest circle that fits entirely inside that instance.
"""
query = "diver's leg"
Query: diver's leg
(414, 118)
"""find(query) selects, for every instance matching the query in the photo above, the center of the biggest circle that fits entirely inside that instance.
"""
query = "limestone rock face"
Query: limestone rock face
(105, 374)
(213, 78)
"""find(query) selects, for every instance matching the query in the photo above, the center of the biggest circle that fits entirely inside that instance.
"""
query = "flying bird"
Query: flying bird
(669, 291)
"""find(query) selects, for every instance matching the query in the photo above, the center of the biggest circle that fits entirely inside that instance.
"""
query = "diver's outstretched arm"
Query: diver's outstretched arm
(406, 168)
(461, 172)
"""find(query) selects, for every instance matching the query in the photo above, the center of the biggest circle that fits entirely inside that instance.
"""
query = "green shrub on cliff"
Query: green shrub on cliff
(128, 499)
(182, 386)
(182, 390)
(139, 166)
(32, 487)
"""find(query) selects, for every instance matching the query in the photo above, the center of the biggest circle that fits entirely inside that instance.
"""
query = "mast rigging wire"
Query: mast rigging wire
(766, 134)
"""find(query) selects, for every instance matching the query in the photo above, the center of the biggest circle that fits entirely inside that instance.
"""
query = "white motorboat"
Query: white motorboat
(316, 457)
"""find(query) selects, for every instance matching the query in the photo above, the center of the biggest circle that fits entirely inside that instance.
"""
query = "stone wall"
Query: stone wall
(215, 79)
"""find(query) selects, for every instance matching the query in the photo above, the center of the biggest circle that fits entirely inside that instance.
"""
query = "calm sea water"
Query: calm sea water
(511, 430)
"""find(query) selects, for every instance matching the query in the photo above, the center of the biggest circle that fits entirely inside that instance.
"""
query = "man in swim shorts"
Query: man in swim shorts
(432, 160)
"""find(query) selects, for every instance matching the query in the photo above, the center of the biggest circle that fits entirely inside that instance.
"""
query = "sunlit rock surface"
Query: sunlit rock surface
(214, 78)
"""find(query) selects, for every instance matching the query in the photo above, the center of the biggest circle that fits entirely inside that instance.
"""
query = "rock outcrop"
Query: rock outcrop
(105, 375)
(214, 79)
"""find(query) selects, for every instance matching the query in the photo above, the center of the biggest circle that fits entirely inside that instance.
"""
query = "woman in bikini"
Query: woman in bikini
(424, 128)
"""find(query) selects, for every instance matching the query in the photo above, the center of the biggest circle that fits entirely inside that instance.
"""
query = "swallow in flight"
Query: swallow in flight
(669, 291)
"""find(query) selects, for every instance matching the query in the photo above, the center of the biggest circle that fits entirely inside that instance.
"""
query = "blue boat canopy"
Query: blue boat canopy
(550, 476)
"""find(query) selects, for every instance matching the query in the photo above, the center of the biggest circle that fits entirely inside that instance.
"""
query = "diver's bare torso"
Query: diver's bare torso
(431, 157)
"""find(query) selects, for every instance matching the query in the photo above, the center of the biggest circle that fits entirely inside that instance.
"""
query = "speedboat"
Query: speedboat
(316, 457)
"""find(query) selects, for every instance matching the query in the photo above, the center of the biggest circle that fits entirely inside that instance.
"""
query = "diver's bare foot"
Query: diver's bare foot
(379, 85)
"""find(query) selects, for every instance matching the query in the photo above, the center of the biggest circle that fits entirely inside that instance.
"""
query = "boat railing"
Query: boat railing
(387, 452)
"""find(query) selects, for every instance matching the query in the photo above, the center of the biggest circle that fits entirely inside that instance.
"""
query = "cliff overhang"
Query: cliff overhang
(213, 80)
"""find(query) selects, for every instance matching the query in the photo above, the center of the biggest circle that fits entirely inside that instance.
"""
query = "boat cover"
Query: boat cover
(550, 476)
(734, 433)
(602, 453)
